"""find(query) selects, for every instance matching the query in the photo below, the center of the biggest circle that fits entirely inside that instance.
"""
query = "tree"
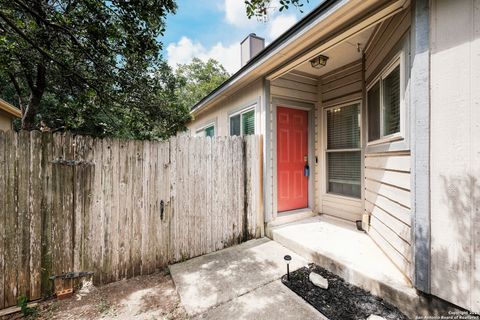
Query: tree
(260, 8)
(93, 66)
(197, 79)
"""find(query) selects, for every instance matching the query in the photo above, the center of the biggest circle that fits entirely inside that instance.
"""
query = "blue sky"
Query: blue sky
(214, 29)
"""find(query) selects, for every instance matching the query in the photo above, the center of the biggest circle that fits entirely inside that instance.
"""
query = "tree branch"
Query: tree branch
(17, 89)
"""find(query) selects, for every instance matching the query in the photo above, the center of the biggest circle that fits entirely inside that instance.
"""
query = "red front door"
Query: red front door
(292, 152)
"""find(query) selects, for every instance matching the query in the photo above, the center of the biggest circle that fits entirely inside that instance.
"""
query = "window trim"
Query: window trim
(241, 112)
(397, 61)
(326, 150)
(206, 126)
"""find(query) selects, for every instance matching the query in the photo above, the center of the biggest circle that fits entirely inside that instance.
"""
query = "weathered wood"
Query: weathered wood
(3, 212)
(23, 214)
(35, 184)
(85, 204)
(46, 209)
(11, 240)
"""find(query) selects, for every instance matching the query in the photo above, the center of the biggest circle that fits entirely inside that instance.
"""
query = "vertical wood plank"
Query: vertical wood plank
(138, 209)
(195, 185)
(35, 203)
(146, 210)
(88, 179)
(56, 210)
(203, 151)
(108, 227)
(23, 224)
(240, 188)
(164, 180)
(79, 172)
(96, 215)
(130, 208)
(68, 210)
(3, 192)
(231, 196)
(182, 217)
(115, 230)
(173, 202)
(46, 210)
(11, 253)
(208, 196)
(218, 193)
(122, 207)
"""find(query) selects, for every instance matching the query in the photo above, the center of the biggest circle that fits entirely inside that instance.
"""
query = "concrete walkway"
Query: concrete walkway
(340, 248)
(241, 282)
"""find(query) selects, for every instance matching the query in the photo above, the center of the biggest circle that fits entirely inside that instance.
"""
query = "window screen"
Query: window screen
(373, 100)
(235, 125)
(391, 102)
(343, 163)
(248, 122)
(210, 131)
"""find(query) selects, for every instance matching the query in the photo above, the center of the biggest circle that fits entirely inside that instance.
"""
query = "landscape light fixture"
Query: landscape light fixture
(287, 259)
(319, 62)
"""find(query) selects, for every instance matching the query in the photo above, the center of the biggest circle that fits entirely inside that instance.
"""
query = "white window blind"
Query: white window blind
(343, 127)
(343, 150)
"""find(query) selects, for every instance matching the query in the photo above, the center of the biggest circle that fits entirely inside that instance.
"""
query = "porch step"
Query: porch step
(338, 247)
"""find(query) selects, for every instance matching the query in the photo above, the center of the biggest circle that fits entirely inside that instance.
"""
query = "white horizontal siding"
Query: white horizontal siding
(387, 175)
(293, 87)
(384, 40)
(387, 200)
(343, 84)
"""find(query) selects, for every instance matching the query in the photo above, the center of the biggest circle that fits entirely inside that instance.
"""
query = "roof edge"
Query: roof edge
(10, 109)
(272, 46)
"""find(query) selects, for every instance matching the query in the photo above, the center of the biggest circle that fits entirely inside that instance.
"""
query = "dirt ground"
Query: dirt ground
(145, 297)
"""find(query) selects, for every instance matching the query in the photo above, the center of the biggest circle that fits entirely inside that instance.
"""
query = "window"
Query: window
(207, 131)
(343, 151)
(383, 99)
(243, 123)
(210, 131)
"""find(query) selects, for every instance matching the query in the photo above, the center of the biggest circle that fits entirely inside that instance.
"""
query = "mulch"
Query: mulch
(341, 301)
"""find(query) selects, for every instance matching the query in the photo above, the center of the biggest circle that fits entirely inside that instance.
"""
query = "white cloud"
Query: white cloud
(236, 15)
(227, 52)
(276, 23)
(279, 24)
(185, 50)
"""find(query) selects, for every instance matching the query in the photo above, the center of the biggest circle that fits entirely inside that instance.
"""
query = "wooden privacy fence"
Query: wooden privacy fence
(119, 208)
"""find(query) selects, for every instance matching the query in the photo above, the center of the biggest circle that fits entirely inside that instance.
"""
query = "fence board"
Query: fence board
(11, 255)
(23, 222)
(47, 200)
(3, 214)
(85, 204)
(35, 185)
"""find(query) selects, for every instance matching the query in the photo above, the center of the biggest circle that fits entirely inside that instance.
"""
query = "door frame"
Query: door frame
(310, 108)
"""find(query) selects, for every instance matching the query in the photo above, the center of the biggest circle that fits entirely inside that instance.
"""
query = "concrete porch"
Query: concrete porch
(339, 247)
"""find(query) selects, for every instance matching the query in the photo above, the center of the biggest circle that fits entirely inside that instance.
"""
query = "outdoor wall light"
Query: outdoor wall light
(287, 259)
(319, 62)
